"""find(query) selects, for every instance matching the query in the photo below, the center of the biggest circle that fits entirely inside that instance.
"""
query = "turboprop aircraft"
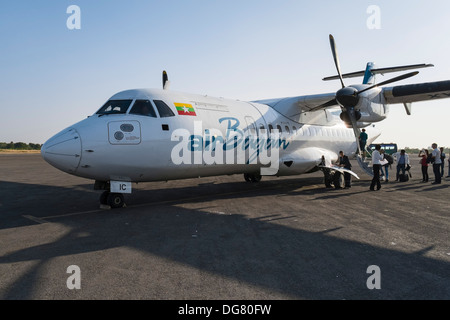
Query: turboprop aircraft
(157, 134)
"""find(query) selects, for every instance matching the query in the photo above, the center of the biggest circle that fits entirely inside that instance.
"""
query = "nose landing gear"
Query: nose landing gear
(112, 199)
(109, 199)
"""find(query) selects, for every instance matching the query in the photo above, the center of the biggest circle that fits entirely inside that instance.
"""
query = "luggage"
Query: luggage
(403, 177)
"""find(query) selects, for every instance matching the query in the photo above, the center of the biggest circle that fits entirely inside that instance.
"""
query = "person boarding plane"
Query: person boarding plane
(145, 135)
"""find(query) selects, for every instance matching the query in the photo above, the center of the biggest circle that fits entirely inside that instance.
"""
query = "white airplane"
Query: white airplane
(157, 135)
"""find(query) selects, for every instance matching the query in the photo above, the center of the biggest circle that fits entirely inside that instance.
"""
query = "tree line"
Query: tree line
(20, 146)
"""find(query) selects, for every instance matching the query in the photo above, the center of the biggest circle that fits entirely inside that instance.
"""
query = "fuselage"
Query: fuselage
(188, 135)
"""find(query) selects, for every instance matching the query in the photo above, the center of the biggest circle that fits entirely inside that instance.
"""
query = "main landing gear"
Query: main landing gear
(252, 177)
(332, 179)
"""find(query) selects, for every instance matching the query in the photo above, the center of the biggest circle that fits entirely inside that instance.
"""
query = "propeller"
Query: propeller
(348, 97)
(336, 59)
(165, 80)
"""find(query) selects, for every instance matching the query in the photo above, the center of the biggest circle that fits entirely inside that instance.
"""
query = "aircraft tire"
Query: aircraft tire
(255, 177)
(115, 200)
(249, 177)
(327, 182)
(104, 197)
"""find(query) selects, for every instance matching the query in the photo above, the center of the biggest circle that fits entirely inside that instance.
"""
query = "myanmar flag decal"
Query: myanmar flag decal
(185, 109)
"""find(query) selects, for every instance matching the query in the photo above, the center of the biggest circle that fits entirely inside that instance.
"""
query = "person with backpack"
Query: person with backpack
(424, 154)
(402, 160)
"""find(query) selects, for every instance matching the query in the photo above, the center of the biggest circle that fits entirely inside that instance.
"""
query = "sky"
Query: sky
(52, 76)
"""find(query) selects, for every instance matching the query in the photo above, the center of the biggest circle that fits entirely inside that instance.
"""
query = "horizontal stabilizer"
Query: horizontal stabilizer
(380, 71)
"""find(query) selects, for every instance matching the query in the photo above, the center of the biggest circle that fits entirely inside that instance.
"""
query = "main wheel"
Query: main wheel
(250, 177)
(328, 181)
(115, 200)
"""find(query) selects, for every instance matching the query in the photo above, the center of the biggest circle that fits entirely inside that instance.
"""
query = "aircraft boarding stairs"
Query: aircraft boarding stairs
(366, 163)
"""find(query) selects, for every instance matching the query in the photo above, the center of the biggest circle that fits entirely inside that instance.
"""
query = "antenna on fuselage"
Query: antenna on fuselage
(165, 80)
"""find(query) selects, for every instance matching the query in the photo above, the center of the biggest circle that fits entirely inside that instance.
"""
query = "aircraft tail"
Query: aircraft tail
(370, 72)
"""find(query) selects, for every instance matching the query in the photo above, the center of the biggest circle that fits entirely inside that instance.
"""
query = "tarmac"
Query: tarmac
(221, 238)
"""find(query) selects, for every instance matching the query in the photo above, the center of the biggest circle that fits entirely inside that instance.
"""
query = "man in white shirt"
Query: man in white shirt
(436, 155)
(377, 159)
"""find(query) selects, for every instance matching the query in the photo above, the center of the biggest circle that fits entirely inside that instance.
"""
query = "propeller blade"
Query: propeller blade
(404, 76)
(356, 131)
(165, 80)
(326, 105)
(336, 59)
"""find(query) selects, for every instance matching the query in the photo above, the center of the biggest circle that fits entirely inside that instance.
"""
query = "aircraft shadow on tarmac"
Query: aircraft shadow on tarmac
(298, 263)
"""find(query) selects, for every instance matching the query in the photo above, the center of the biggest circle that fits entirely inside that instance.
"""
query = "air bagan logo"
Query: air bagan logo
(185, 109)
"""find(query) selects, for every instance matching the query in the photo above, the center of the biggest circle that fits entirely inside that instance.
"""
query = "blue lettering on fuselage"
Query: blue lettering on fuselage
(233, 138)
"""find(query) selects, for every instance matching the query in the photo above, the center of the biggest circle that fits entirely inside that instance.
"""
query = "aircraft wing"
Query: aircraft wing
(292, 105)
(397, 94)
(417, 92)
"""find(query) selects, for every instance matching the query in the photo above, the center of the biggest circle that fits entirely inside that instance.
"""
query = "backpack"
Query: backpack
(389, 158)
(403, 177)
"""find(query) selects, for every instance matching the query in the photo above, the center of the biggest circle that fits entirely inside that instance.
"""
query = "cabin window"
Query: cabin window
(163, 109)
(294, 129)
(279, 129)
(252, 129)
(115, 107)
(287, 129)
(143, 108)
(262, 129)
(270, 128)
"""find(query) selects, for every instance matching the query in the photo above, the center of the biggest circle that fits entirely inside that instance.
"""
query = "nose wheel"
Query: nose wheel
(112, 199)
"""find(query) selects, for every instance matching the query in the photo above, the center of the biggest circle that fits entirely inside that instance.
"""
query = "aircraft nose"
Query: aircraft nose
(63, 151)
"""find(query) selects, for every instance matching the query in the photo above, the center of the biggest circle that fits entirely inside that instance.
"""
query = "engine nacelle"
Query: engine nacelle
(371, 107)
(346, 118)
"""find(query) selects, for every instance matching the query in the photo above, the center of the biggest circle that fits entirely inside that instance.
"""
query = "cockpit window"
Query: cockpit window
(163, 109)
(115, 107)
(144, 108)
